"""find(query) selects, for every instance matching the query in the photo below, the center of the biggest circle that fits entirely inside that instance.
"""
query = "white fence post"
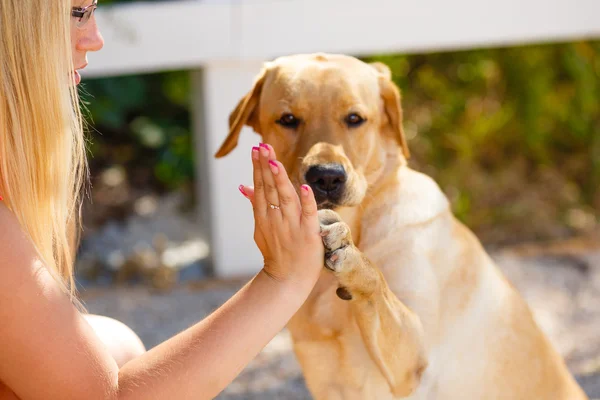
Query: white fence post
(224, 212)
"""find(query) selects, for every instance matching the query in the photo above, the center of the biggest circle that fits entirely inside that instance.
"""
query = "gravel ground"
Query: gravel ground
(562, 287)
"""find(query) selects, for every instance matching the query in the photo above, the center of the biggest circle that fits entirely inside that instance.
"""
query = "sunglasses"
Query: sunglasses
(84, 14)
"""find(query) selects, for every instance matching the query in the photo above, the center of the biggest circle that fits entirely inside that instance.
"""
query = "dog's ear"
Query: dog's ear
(392, 104)
(245, 113)
(382, 68)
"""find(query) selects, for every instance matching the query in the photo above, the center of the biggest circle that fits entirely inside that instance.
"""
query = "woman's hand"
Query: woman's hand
(286, 227)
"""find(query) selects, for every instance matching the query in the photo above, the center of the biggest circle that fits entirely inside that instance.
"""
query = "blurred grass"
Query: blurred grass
(512, 135)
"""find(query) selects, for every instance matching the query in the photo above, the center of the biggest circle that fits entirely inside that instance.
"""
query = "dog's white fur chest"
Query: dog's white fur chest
(402, 234)
(477, 331)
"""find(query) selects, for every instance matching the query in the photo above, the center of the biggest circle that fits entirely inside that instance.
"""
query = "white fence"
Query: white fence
(223, 44)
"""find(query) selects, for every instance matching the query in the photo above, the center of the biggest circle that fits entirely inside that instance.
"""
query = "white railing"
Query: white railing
(224, 43)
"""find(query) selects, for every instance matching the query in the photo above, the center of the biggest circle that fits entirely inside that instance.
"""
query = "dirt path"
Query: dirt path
(562, 285)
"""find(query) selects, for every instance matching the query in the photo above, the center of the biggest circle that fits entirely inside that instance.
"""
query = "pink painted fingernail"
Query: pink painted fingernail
(266, 150)
(274, 167)
(255, 153)
(304, 189)
(241, 188)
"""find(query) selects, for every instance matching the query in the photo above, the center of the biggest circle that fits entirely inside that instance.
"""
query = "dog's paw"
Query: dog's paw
(341, 256)
(355, 274)
(337, 239)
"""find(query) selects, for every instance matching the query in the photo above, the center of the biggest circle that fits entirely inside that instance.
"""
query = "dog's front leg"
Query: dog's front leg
(392, 333)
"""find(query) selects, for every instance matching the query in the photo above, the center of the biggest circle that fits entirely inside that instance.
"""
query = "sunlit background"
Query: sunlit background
(511, 134)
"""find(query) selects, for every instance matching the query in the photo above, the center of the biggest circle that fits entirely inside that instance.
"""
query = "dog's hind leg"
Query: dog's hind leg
(391, 332)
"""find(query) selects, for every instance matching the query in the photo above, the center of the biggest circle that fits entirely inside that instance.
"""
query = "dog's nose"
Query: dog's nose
(327, 181)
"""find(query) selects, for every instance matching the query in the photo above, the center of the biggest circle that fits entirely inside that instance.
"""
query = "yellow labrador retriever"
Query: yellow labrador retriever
(414, 307)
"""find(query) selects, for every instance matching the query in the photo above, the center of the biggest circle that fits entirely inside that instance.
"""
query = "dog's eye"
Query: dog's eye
(353, 120)
(288, 121)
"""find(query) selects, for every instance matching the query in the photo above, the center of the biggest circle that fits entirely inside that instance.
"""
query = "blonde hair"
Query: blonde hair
(42, 148)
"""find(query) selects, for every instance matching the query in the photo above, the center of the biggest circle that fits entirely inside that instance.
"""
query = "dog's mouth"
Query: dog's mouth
(326, 205)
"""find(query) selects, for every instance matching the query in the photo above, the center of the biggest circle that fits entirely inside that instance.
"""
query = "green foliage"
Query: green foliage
(143, 123)
(511, 134)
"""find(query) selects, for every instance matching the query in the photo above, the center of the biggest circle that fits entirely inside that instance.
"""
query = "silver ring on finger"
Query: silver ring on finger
(273, 206)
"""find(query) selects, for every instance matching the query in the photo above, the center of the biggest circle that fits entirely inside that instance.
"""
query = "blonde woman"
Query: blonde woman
(49, 348)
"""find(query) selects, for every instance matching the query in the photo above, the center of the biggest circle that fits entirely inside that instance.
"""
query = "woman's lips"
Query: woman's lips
(76, 75)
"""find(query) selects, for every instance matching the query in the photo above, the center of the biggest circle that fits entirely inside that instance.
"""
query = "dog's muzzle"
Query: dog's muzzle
(328, 182)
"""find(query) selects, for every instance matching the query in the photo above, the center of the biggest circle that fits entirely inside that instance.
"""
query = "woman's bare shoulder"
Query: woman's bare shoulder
(8, 221)
(42, 332)
(17, 253)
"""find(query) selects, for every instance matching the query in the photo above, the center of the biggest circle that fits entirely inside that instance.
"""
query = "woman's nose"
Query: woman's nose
(92, 39)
